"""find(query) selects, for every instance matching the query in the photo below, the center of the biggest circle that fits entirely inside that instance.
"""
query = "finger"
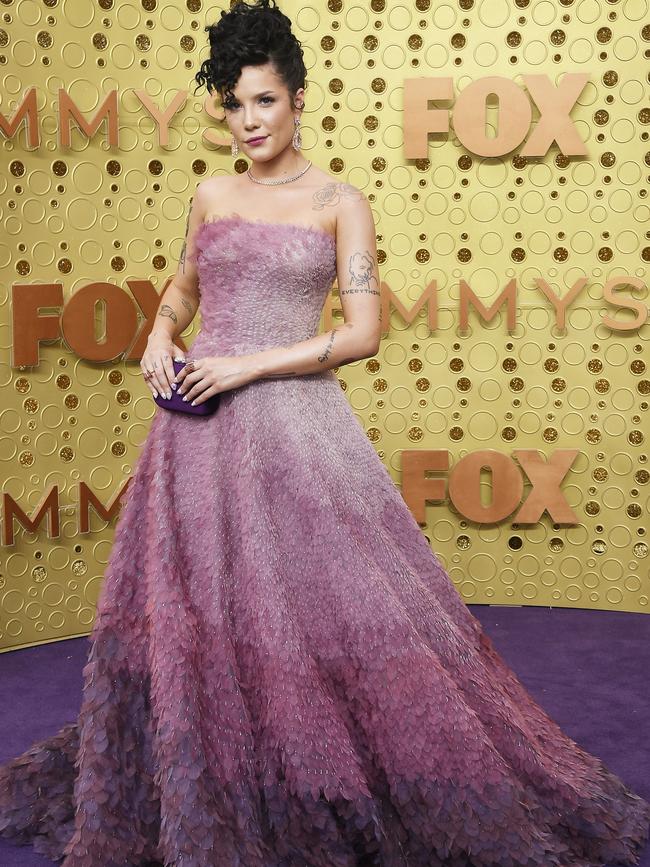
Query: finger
(191, 387)
(195, 386)
(188, 379)
(182, 373)
(147, 378)
(183, 381)
(158, 378)
(164, 374)
(168, 369)
(177, 357)
(155, 382)
(205, 395)
(151, 388)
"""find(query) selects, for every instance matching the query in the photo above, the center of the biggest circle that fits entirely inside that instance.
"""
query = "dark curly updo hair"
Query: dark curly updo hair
(251, 35)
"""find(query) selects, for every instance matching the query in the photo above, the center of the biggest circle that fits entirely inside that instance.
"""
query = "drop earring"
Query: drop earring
(297, 138)
(234, 147)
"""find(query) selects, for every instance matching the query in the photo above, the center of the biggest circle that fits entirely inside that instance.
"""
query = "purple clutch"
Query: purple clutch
(177, 403)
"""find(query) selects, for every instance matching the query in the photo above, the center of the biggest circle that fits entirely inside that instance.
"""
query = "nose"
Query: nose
(249, 120)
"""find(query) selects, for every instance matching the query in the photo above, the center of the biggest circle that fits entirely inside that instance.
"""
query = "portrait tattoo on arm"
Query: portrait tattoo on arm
(362, 265)
(362, 278)
(166, 310)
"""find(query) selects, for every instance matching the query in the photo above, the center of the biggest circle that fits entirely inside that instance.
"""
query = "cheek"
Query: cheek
(278, 118)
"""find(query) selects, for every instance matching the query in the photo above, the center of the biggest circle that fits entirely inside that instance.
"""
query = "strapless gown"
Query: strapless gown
(280, 672)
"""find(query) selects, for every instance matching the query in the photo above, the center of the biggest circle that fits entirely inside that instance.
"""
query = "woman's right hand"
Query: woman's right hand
(158, 358)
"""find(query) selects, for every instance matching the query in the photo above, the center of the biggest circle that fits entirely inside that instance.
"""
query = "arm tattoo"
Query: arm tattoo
(187, 225)
(186, 304)
(333, 192)
(328, 348)
(166, 310)
(362, 278)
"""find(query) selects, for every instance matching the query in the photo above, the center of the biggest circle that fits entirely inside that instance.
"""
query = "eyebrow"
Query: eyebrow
(263, 93)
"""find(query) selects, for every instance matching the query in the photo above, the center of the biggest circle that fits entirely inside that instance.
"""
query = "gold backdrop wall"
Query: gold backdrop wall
(88, 211)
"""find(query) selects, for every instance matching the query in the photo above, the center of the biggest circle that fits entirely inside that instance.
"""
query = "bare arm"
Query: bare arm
(177, 307)
(180, 301)
(358, 281)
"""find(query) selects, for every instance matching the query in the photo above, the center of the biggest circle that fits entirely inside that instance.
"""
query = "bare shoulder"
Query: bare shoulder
(331, 192)
(211, 192)
(338, 202)
(215, 183)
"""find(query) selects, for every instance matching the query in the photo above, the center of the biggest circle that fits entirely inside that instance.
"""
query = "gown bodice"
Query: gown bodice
(261, 284)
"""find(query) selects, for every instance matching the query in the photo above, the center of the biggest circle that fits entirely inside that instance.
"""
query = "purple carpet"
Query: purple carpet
(586, 668)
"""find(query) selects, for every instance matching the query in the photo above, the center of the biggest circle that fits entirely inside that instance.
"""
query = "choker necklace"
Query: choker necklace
(279, 180)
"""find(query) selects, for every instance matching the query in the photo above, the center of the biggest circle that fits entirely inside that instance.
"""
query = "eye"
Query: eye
(232, 104)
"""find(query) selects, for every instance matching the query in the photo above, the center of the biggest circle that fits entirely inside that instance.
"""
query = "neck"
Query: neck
(268, 171)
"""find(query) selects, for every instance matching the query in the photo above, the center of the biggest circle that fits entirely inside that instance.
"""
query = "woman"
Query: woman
(281, 673)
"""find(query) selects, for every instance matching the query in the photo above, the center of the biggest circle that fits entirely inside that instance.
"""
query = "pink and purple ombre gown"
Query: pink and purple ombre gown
(281, 673)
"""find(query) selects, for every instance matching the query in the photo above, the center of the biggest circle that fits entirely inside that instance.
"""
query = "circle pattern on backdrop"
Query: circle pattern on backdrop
(95, 213)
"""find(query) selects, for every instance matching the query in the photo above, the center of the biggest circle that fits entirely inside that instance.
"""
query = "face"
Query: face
(262, 107)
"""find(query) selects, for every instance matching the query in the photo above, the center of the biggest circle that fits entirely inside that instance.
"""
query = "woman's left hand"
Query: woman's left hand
(213, 374)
